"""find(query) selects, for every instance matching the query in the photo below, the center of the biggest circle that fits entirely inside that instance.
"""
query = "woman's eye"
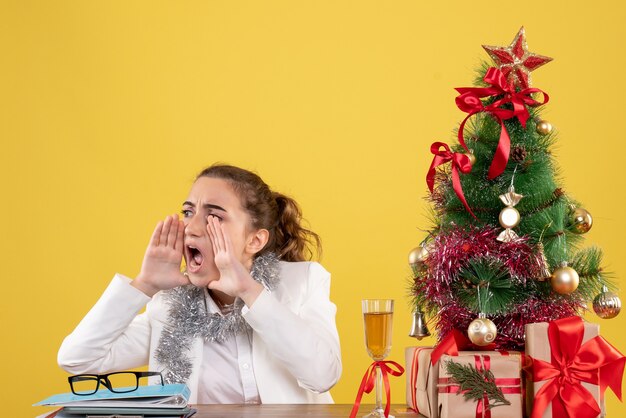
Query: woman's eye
(218, 217)
(186, 213)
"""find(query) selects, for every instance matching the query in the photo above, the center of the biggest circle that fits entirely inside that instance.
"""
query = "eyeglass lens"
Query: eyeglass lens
(84, 385)
(123, 382)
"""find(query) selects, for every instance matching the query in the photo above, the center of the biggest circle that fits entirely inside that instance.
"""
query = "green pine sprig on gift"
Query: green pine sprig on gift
(474, 384)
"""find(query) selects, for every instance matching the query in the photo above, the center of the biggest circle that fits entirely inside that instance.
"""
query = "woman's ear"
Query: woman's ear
(257, 241)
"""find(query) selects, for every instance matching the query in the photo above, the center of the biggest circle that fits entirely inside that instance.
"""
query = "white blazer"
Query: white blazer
(295, 345)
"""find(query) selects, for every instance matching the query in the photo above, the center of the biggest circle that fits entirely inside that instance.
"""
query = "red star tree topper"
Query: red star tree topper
(515, 61)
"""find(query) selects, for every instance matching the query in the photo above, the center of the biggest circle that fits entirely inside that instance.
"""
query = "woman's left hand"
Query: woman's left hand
(235, 279)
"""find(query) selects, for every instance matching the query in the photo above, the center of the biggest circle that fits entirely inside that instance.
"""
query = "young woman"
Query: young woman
(247, 321)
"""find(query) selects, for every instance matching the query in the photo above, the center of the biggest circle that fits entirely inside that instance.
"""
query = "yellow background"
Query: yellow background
(108, 109)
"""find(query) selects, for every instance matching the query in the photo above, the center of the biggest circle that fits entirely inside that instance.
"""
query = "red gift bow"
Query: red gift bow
(469, 101)
(596, 362)
(454, 342)
(459, 162)
(482, 407)
(369, 379)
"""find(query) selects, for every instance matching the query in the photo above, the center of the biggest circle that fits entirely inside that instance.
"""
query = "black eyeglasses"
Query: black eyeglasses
(117, 382)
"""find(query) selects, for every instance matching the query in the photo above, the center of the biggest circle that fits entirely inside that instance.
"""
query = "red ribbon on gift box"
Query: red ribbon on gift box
(596, 362)
(413, 379)
(369, 380)
(460, 162)
(470, 101)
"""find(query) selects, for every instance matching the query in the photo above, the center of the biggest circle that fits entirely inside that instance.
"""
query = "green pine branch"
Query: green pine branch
(485, 280)
(474, 384)
(481, 71)
(587, 263)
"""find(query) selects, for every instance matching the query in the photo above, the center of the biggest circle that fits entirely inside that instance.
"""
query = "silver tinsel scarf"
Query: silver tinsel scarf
(189, 319)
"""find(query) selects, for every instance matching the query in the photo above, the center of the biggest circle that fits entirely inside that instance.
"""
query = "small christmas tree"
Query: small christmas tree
(504, 250)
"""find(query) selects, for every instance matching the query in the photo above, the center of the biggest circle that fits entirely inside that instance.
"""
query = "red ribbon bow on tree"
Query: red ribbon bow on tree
(469, 101)
(596, 362)
(369, 379)
(459, 162)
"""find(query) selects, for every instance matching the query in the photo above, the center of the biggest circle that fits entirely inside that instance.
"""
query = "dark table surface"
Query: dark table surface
(284, 411)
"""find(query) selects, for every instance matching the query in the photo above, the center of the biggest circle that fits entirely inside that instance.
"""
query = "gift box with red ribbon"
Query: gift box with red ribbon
(570, 366)
(506, 372)
(421, 381)
(423, 365)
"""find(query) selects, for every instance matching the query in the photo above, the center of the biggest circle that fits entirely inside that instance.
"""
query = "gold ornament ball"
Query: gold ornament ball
(509, 217)
(418, 255)
(581, 221)
(544, 127)
(564, 280)
(482, 331)
(607, 304)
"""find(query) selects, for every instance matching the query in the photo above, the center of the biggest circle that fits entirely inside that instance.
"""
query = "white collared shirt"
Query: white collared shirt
(226, 373)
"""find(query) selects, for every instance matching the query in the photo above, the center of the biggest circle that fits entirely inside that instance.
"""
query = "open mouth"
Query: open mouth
(194, 259)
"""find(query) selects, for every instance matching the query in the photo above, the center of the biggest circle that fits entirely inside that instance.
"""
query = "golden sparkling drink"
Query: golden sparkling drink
(378, 334)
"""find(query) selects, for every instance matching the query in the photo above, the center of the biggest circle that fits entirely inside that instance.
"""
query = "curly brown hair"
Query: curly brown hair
(279, 214)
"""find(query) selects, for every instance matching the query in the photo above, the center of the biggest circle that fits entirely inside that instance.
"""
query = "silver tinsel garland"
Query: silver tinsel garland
(189, 318)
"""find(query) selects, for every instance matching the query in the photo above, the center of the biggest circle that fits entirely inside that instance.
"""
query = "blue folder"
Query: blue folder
(167, 396)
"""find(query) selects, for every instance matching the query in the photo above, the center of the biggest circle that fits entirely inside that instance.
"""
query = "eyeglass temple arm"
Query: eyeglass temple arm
(146, 374)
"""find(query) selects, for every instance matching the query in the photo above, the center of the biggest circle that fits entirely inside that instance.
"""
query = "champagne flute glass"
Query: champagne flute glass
(377, 319)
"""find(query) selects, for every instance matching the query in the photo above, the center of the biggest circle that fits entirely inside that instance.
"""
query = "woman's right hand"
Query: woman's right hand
(161, 264)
